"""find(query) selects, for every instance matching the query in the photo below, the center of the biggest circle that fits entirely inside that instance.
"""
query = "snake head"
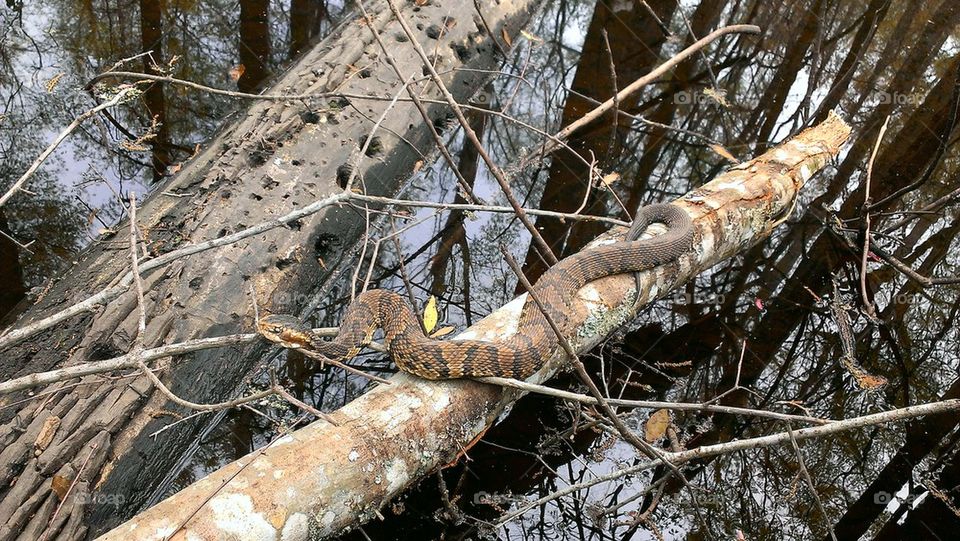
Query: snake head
(285, 330)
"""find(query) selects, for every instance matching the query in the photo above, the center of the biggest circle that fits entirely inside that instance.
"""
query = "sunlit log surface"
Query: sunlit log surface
(323, 479)
(277, 157)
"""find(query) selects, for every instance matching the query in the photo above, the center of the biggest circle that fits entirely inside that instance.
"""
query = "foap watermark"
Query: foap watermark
(100, 498)
(897, 98)
(290, 299)
(685, 97)
(685, 298)
(883, 497)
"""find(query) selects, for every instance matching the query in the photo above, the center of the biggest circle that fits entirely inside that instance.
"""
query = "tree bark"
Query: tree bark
(323, 478)
(277, 157)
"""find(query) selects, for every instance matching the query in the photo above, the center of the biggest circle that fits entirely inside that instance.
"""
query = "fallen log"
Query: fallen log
(280, 155)
(324, 479)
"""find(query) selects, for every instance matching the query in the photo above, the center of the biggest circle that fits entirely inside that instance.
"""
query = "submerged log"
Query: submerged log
(278, 157)
(324, 479)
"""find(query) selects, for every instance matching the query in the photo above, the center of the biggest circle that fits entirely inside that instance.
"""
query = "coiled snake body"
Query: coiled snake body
(518, 356)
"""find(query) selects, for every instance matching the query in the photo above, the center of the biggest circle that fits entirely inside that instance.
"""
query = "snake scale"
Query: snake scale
(518, 356)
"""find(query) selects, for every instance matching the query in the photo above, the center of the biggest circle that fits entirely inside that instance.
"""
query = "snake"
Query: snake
(517, 356)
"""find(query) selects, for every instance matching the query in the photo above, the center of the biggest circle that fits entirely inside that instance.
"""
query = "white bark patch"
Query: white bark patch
(297, 527)
(442, 402)
(283, 441)
(162, 531)
(735, 185)
(397, 475)
(401, 411)
(782, 155)
(234, 516)
(500, 324)
(591, 296)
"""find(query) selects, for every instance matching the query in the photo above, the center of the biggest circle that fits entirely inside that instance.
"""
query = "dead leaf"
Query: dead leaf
(442, 331)
(237, 72)
(52, 83)
(656, 425)
(610, 178)
(870, 382)
(417, 165)
(430, 315)
(724, 153)
(506, 37)
(175, 168)
(133, 146)
(60, 486)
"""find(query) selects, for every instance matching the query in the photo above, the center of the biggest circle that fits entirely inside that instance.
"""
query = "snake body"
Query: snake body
(518, 356)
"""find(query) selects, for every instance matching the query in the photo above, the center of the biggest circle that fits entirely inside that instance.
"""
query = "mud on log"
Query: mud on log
(278, 157)
(323, 479)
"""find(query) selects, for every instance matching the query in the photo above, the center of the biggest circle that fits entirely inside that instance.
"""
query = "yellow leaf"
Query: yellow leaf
(430, 315)
(656, 425)
(442, 331)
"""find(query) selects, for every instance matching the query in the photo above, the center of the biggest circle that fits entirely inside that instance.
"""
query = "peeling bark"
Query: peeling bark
(277, 157)
(324, 479)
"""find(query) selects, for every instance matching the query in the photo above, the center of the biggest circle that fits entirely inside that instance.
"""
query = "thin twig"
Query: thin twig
(867, 202)
(650, 404)
(346, 367)
(635, 86)
(418, 103)
(706, 451)
(810, 484)
(472, 136)
(118, 98)
(130, 360)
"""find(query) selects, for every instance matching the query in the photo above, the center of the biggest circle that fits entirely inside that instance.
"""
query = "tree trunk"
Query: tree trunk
(277, 157)
(323, 478)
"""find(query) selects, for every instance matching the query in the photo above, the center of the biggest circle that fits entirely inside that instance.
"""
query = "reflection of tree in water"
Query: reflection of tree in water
(70, 42)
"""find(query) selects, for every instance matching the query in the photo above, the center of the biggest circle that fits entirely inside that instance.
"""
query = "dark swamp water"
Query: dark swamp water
(783, 299)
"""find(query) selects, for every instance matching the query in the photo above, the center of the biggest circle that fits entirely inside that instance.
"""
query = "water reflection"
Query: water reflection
(766, 323)
(50, 50)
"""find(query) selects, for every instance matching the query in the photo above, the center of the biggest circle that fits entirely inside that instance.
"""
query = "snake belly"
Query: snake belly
(525, 352)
